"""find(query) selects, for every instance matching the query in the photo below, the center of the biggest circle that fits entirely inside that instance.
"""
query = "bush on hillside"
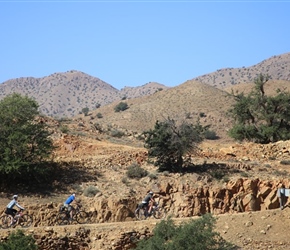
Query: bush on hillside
(17, 240)
(91, 191)
(121, 107)
(168, 142)
(136, 172)
(197, 234)
(260, 118)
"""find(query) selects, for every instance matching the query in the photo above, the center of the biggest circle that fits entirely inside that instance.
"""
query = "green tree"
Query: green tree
(196, 234)
(121, 107)
(261, 118)
(18, 240)
(168, 142)
(24, 138)
(85, 111)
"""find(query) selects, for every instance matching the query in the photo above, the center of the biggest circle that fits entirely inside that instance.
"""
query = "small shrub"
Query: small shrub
(77, 188)
(196, 234)
(217, 174)
(285, 162)
(117, 133)
(125, 181)
(152, 176)
(18, 240)
(64, 129)
(280, 173)
(136, 172)
(202, 114)
(99, 115)
(121, 107)
(244, 174)
(91, 191)
(85, 111)
(210, 135)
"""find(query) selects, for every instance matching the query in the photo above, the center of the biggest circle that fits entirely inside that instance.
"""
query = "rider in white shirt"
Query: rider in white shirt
(10, 210)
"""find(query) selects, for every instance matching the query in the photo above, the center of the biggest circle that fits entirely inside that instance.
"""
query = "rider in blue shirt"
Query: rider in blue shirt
(68, 205)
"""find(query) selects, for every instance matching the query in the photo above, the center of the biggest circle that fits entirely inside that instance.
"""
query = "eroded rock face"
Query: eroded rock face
(179, 197)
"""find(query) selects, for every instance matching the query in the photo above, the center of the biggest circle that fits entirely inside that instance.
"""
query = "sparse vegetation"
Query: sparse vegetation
(117, 133)
(136, 172)
(64, 129)
(285, 162)
(210, 135)
(121, 107)
(99, 115)
(85, 111)
(18, 240)
(168, 142)
(261, 118)
(152, 176)
(197, 234)
(91, 191)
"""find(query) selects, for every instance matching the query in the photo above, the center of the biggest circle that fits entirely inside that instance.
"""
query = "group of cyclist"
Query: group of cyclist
(146, 203)
(11, 211)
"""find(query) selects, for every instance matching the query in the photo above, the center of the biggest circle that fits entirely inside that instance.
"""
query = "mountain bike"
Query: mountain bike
(80, 216)
(24, 220)
(141, 212)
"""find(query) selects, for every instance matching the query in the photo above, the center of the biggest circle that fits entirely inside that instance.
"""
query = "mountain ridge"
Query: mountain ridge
(65, 94)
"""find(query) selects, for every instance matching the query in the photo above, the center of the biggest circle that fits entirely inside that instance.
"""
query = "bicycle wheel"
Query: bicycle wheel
(25, 220)
(5, 221)
(82, 217)
(140, 214)
(62, 219)
(159, 213)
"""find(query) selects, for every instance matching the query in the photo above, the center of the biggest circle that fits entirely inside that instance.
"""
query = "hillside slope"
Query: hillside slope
(278, 67)
(189, 101)
(66, 94)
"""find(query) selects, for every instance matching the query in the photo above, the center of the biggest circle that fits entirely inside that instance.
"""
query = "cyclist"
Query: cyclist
(68, 205)
(147, 202)
(10, 210)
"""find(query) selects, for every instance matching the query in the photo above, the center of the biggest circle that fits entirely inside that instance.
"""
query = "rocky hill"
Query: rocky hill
(66, 94)
(189, 101)
(278, 67)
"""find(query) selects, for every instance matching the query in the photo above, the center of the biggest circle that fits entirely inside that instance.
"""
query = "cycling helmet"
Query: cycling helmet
(150, 192)
(15, 196)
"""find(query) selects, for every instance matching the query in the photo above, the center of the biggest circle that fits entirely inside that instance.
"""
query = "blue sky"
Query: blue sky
(130, 43)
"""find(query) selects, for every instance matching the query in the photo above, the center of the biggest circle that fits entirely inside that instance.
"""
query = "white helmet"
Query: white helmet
(15, 196)
(150, 192)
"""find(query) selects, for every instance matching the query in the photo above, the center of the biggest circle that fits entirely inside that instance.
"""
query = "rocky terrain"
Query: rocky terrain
(235, 182)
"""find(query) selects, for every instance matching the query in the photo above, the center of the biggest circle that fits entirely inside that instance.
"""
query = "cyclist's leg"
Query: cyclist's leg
(11, 213)
(70, 210)
(145, 208)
